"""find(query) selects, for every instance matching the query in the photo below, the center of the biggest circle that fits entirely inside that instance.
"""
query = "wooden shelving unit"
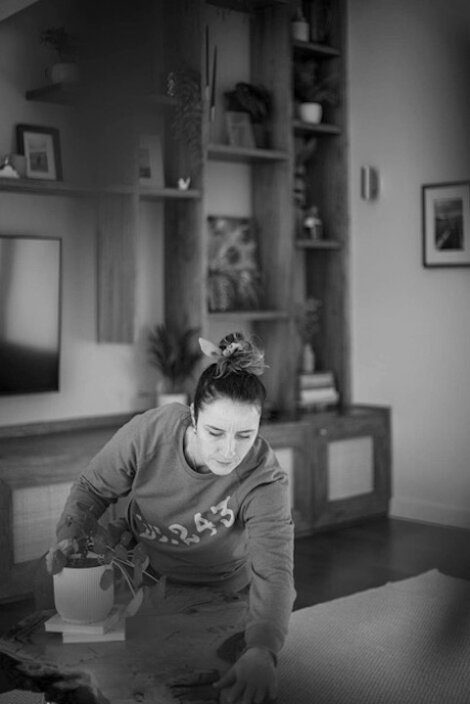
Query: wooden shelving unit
(313, 49)
(249, 315)
(225, 152)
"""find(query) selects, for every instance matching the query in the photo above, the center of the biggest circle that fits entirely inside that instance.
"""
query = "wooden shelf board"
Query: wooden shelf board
(67, 94)
(249, 315)
(149, 193)
(47, 188)
(320, 128)
(313, 49)
(226, 152)
(317, 244)
(53, 188)
(246, 5)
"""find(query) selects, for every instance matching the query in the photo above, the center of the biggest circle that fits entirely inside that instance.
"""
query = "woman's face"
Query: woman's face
(225, 432)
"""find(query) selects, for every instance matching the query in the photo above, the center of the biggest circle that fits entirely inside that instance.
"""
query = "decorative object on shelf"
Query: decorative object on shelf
(184, 184)
(321, 20)
(313, 92)
(65, 45)
(186, 125)
(150, 161)
(446, 224)
(257, 102)
(175, 354)
(239, 129)
(311, 112)
(234, 277)
(300, 27)
(312, 224)
(7, 170)
(82, 568)
(307, 319)
(304, 150)
(41, 147)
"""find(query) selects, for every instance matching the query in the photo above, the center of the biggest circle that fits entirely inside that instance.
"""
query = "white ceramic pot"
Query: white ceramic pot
(310, 112)
(163, 399)
(63, 73)
(78, 596)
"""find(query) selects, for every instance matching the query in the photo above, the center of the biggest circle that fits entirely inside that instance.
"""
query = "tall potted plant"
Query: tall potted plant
(65, 46)
(174, 353)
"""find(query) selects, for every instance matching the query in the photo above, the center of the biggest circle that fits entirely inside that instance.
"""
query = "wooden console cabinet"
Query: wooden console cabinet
(338, 463)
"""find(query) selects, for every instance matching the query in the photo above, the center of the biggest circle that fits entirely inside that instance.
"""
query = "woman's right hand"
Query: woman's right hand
(57, 555)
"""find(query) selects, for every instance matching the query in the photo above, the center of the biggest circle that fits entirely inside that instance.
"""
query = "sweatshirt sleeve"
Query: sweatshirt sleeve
(108, 477)
(270, 532)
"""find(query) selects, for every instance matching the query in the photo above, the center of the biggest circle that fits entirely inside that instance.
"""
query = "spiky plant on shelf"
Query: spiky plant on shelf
(175, 354)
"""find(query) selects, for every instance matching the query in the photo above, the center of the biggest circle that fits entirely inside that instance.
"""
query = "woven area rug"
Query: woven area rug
(407, 642)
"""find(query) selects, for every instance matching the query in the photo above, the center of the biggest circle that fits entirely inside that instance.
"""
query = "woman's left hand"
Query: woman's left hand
(251, 680)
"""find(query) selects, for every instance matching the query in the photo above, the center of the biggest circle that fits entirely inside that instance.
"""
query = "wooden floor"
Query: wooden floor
(341, 562)
(337, 563)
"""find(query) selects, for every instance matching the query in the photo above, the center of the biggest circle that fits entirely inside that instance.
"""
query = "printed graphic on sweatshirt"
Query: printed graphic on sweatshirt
(210, 522)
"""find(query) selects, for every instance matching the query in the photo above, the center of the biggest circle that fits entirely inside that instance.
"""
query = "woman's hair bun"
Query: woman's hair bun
(239, 355)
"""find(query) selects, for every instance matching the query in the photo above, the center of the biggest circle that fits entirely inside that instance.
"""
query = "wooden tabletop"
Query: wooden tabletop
(167, 640)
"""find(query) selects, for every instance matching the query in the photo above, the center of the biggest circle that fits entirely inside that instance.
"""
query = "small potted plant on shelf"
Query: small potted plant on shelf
(307, 318)
(82, 568)
(257, 102)
(174, 353)
(65, 46)
(312, 92)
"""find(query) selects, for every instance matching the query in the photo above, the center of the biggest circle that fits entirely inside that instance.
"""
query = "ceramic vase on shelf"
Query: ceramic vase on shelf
(300, 27)
(308, 359)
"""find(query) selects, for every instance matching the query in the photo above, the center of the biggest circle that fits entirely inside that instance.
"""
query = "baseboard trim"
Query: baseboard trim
(429, 512)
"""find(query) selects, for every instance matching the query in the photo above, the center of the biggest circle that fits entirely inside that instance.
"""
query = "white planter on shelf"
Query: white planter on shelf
(63, 72)
(311, 112)
(78, 596)
(164, 398)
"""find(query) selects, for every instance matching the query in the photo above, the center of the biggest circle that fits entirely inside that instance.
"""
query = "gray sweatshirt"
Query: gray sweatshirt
(200, 528)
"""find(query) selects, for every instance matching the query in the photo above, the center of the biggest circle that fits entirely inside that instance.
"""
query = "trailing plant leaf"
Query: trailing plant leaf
(107, 579)
(135, 603)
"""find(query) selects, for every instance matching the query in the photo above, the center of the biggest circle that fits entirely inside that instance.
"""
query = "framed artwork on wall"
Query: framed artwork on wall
(41, 147)
(446, 224)
(239, 129)
(234, 272)
(150, 161)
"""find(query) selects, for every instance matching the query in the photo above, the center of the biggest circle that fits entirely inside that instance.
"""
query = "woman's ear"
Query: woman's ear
(193, 417)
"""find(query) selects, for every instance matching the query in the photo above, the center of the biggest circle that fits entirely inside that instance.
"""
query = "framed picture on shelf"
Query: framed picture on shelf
(239, 129)
(234, 272)
(446, 224)
(41, 147)
(150, 161)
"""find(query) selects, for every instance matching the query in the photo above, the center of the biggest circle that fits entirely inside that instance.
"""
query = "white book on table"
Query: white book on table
(56, 624)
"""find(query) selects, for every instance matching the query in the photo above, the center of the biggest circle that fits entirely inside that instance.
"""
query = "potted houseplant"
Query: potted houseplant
(65, 46)
(82, 568)
(307, 318)
(174, 353)
(312, 92)
(257, 102)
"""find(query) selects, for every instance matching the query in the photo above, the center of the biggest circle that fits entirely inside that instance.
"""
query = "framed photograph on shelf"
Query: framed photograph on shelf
(239, 129)
(446, 224)
(41, 147)
(150, 161)
(234, 272)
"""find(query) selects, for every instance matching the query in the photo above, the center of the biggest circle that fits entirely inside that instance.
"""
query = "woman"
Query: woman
(209, 501)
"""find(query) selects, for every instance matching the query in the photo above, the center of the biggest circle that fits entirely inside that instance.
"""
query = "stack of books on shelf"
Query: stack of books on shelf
(112, 628)
(317, 390)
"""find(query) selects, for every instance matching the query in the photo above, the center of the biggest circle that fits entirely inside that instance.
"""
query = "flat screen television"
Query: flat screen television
(30, 306)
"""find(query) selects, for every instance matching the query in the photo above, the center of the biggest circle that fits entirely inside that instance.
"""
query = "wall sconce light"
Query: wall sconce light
(369, 183)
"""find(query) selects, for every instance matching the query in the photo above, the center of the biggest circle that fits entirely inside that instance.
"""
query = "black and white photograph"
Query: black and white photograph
(446, 224)
(234, 352)
(41, 147)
